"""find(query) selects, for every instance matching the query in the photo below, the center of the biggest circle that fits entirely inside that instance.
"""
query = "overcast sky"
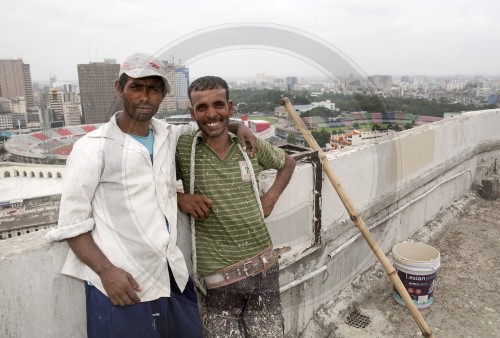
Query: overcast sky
(437, 37)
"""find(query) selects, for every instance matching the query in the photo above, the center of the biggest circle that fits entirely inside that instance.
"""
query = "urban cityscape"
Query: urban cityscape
(40, 123)
(29, 105)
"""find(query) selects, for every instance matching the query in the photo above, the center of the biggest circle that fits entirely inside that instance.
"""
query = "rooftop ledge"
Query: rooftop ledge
(398, 184)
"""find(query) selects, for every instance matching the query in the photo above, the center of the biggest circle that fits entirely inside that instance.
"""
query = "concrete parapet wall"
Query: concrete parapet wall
(397, 184)
(36, 300)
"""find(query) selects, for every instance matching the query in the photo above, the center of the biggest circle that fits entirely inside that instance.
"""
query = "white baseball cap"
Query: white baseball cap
(141, 65)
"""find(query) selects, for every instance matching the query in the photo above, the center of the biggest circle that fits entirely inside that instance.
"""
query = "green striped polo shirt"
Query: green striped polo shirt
(235, 228)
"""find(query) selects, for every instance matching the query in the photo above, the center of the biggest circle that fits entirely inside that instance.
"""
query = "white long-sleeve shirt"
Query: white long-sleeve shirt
(112, 189)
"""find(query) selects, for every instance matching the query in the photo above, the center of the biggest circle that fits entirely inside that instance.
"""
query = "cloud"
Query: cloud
(383, 37)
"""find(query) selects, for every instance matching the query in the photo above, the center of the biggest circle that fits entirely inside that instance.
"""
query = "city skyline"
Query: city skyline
(386, 37)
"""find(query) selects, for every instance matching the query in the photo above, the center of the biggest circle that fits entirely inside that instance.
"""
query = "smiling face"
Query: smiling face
(211, 111)
(141, 97)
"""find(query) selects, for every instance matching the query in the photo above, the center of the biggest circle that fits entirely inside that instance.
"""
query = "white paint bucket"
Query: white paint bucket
(416, 265)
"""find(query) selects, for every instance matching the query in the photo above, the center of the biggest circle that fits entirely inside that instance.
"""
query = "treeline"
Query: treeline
(416, 106)
(265, 100)
(247, 101)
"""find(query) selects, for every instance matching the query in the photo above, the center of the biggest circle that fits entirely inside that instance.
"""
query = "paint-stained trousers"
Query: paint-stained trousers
(249, 308)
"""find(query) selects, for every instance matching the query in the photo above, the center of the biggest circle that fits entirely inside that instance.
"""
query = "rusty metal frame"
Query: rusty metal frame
(306, 155)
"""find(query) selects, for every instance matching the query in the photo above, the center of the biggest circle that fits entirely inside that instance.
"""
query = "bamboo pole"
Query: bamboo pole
(358, 220)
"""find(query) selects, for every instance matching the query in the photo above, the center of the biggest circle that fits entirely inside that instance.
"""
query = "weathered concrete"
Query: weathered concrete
(36, 300)
(397, 184)
(467, 301)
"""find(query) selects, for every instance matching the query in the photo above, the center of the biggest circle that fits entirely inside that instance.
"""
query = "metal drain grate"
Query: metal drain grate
(357, 320)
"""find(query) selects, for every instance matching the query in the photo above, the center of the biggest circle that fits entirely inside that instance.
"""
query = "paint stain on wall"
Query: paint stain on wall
(411, 154)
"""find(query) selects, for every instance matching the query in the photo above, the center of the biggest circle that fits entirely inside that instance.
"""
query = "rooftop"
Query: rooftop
(418, 184)
(466, 299)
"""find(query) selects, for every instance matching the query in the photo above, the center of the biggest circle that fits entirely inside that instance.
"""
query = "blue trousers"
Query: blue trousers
(176, 316)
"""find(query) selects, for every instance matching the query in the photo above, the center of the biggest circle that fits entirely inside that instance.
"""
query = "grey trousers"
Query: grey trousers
(248, 308)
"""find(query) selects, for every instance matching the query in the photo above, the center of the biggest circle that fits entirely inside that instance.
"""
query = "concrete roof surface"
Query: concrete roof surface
(466, 298)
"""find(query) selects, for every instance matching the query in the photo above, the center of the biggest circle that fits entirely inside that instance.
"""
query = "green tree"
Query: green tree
(322, 136)
(302, 97)
(242, 108)
(318, 111)
(291, 138)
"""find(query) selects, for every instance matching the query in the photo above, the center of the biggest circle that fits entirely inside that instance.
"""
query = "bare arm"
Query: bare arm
(197, 206)
(120, 286)
(245, 134)
(283, 176)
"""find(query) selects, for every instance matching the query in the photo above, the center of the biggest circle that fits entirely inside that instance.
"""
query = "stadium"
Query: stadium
(50, 146)
(53, 146)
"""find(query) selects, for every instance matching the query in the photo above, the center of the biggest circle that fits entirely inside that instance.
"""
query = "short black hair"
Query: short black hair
(122, 81)
(208, 83)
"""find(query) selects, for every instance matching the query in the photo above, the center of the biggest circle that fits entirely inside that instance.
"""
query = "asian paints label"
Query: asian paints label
(420, 288)
(416, 265)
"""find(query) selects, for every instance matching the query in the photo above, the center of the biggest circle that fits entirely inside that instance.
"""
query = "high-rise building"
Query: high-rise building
(18, 105)
(56, 101)
(291, 81)
(52, 80)
(97, 90)
(5, 105)
(181, 86)
(5, 121)
(5, 114)
(19, 120)
(71, 113)
(382, 82)
(170, 99)
(33, 119)
(64, 86)
(169, 102)
(260, 78)
(15, 81)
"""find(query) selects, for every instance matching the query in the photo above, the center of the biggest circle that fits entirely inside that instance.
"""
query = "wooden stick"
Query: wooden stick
(358, 220)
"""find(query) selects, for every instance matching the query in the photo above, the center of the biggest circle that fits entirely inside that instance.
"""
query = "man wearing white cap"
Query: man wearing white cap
(119, 215)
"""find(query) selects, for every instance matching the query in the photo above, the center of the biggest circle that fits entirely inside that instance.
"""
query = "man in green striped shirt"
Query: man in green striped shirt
(233, 251)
